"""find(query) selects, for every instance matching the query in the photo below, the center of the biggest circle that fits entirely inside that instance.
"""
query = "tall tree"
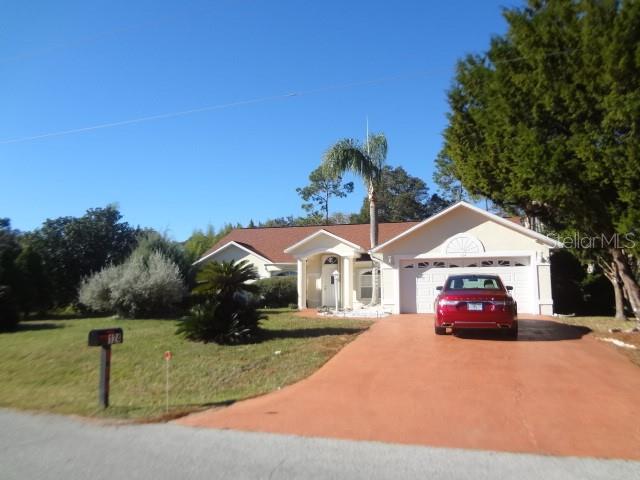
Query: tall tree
(202, 240)
(322, 186)
(548, 120)
(74, 247)
(33, 288)
(403, 198)
(9, 251)
(367, 161)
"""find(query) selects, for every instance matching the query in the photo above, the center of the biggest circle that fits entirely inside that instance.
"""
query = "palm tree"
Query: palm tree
(226, 279)
(367, 161)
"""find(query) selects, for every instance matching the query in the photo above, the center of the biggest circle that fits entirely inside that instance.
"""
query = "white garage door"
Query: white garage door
(419, 279)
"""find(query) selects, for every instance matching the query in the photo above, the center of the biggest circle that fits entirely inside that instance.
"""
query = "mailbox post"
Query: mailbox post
(105, 338)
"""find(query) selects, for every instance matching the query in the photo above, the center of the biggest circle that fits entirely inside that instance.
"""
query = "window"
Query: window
(438, 264)
(366, 284)
(331, 261)
(409, 265)
(286, 273)
(475, 282)
(487, 263)
(451, 265)
(504, 263)
(423, 264)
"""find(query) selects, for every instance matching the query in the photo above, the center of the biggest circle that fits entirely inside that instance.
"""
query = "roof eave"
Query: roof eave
(236, 244)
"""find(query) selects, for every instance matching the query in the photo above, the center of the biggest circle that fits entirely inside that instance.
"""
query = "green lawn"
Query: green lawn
(598, 324)
(47, 365)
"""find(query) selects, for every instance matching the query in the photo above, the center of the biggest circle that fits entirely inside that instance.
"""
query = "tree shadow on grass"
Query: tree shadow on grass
(275, 311)
(32, 327)
(308, 332)
(531, 331)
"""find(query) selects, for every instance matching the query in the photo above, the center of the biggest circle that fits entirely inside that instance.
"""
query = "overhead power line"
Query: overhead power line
(210, 108)
(284, 96)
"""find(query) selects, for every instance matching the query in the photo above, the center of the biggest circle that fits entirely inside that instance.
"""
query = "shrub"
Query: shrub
(236, 322)
(95, 291)
(277, 291)
(227, 311)
(9, 317)
(151, 241)
(143, 286)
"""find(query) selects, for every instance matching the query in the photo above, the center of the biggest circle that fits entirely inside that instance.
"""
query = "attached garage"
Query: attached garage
(466, 239)
(420, 277)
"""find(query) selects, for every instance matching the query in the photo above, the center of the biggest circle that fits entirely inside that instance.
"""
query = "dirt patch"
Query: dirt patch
(628, 338)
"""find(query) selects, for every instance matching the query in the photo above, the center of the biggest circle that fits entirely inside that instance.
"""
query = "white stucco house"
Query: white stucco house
(333, 263)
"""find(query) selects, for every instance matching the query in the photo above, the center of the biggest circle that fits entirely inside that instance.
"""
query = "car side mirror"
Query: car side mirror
(439, 288)
(509, 287)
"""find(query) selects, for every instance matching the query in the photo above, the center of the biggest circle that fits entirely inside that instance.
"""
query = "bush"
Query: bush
(277, 291)
(227, 311)
(232, 323)
(9, 317)
(143, 286)
(151, 242)
(95, 291)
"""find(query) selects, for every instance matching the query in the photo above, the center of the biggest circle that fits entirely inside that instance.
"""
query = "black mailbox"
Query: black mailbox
(104, 337)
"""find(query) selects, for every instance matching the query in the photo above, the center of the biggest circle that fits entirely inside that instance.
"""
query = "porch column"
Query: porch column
(347, 282)
(302, 283)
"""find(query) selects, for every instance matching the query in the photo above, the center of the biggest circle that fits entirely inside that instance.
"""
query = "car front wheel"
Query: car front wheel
(440, 330)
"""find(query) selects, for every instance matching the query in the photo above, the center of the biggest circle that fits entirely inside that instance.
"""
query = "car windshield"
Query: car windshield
(475, 282)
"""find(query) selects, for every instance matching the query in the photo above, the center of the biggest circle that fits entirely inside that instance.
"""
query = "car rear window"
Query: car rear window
(475, 282)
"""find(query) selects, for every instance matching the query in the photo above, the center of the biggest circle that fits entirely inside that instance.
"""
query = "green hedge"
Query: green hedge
(277, 291)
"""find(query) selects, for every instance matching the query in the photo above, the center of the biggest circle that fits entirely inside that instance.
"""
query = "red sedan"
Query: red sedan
(475, 301)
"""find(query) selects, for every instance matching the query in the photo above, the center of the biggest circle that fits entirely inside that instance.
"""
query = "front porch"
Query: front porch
(336, 282)
(333, 273)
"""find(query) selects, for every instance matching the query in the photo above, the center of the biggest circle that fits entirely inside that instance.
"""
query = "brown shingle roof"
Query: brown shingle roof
(271, 242)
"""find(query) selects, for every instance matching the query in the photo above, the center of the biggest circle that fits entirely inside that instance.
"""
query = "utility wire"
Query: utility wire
(221, 106)
(284, 96)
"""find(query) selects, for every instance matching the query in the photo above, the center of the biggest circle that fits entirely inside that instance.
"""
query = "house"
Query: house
(333, 263)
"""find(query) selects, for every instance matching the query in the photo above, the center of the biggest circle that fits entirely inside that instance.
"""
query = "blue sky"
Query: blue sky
(69, 65)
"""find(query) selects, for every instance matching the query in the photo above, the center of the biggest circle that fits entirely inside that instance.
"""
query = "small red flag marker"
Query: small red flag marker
(167, 357)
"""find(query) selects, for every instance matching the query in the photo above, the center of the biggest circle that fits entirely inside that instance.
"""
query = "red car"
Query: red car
(475, 301)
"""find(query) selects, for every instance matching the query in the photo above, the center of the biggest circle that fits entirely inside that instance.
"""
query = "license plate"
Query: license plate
(474, 306)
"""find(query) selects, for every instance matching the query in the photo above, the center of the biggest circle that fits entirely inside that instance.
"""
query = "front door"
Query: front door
(329, 282)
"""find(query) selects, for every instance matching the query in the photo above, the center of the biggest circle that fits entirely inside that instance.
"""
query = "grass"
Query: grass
(47, 365)
(601, 326)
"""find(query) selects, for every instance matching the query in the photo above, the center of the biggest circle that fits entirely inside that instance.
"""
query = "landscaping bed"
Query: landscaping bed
(46, 365)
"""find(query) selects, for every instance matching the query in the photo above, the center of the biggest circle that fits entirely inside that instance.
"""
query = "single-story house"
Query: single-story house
(333, 263)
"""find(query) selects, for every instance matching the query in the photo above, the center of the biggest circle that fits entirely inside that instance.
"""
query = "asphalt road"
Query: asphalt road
(55, 447)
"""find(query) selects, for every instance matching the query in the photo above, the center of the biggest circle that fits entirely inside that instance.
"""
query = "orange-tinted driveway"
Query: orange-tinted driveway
(553, 391)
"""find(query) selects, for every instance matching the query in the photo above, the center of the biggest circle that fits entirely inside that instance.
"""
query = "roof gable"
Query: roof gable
(246, 248)
(495, 218)
(320, 232)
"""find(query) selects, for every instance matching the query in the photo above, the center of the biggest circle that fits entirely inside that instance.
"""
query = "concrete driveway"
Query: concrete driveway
(555, 391)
